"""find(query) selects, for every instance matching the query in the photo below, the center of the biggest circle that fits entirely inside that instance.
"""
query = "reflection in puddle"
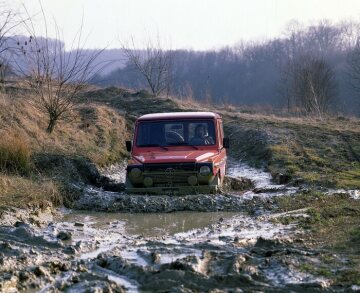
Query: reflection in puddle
(159, 224)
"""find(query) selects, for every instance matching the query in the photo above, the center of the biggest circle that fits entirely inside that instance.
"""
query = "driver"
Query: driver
(201, 136)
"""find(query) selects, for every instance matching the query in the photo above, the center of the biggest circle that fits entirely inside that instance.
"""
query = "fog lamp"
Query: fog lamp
(205, 170)
(135, 172)
(192, 180)
(148, 182)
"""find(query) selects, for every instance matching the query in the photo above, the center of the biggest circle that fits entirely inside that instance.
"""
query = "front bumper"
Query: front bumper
(174, 190)
(171, 179)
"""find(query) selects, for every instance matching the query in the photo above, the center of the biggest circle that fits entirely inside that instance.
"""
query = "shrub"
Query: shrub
(14, 155)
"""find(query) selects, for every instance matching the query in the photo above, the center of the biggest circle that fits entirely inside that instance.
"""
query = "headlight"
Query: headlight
(205, 170)
(135, 172)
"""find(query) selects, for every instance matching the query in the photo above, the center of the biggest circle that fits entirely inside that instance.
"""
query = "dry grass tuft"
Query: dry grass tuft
(14, 154)
(20, 192)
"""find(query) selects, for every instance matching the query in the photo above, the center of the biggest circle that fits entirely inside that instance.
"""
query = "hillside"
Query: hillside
(325, 153)
(29, 157)
(305, 150)
(299, 151)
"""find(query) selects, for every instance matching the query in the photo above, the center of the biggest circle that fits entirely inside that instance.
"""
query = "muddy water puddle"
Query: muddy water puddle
(145, 224)
(133, 250)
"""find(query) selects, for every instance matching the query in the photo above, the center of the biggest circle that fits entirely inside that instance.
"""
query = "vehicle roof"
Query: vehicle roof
(179, 115)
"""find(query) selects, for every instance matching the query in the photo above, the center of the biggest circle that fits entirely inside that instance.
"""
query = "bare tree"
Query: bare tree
(313, 85)
(8, 22)
(353, 63)
(153, 63)
(56, 75)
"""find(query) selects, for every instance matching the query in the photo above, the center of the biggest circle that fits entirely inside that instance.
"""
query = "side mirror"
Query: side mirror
(226, 142)
(128, 145)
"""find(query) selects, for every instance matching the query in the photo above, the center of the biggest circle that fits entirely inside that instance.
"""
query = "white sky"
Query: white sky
(191, 24)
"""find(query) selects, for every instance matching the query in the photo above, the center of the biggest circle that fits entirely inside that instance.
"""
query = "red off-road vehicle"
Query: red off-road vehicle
(177, 153)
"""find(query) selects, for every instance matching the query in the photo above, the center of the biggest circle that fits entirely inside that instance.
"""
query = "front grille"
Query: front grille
(169, 178)
(174, 166)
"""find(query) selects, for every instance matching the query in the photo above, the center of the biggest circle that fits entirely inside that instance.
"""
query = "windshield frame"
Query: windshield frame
(211, 125)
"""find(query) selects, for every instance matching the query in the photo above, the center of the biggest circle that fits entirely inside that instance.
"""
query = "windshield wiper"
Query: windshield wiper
(182, 143)
(154, 145)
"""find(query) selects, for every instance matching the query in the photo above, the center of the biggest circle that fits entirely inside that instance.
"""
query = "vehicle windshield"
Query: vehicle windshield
(176, 133)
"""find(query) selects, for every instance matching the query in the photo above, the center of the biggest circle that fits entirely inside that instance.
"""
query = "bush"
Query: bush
(14, 155)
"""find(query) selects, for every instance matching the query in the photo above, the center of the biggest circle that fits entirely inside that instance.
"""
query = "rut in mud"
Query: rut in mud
(233, 245)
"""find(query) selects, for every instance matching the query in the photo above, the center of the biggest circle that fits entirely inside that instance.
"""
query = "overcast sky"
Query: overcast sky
(192, 24)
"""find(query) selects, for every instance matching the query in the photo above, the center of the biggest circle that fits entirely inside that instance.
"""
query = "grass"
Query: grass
(332, 226)
(94, 131)
(334, 220)
(315, 270)
(20, 192)
(316, 152)
(15, 154)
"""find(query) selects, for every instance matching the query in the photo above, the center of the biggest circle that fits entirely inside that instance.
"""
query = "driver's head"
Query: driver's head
(200, 131)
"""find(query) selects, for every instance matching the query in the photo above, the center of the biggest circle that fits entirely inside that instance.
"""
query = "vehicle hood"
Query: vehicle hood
(174, 156)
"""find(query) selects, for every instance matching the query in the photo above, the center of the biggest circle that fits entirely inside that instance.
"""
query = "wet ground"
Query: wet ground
(227, 243)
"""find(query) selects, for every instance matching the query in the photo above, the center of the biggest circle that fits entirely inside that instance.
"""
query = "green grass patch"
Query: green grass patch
(315, 270)
(332, 226)
(355, 235)
(325, 154)
(349, 178)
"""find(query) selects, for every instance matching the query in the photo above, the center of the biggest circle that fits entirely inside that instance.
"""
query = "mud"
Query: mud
(242, 183)
(186, 251)
(119, 202)
(223, 251)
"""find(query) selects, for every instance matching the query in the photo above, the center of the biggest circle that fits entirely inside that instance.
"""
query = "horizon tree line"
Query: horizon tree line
(311, 70)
